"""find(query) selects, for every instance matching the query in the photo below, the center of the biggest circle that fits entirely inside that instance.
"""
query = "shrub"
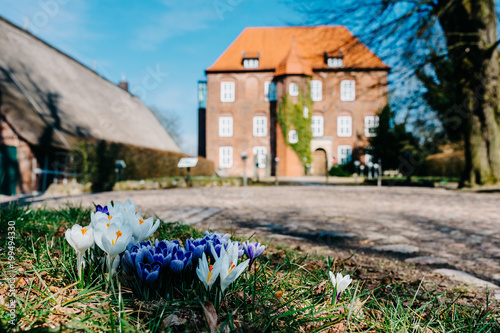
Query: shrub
(342, 170)
(96, 163)
(445, 165)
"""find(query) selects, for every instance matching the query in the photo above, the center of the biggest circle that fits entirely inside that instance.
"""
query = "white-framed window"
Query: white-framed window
(335, 62)
(227, 91)
(293, 89)
(293, 136)
(225, 126)
(226, 157)
(344, 126)
(371, 124)
(270, 91)
(305, 112)
(317, 126)
(251, 63)
(347, 90)
(316, 90)
(344, 154)
(260, 155)
(259, 126)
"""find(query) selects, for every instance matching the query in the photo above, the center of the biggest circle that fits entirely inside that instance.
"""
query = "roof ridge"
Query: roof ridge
(27, 32)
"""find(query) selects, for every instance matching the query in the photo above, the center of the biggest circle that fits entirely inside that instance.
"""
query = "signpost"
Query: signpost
(356, 171)
(120, 166)
(188, 162)
(244, 157)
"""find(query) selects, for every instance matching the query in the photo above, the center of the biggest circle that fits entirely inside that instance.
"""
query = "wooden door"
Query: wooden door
(319, 163)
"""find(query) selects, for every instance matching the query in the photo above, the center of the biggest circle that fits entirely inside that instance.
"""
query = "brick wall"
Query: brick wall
(371, 96)
(249, 102)
(25, 157)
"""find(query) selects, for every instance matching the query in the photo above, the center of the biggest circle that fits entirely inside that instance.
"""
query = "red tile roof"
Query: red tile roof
(273, 45)
(294, 64)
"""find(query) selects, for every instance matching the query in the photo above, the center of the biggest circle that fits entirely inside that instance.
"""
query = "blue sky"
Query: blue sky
(130, 38)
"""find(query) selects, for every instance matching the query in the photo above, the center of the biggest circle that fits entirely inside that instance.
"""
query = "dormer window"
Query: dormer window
(335, 62)
(334, 59)
(251, 63)
(251, 59)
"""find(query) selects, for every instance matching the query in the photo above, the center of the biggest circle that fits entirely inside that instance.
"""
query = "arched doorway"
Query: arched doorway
(319, 162)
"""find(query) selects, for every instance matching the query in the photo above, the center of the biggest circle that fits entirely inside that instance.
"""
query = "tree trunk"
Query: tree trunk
(470, 29)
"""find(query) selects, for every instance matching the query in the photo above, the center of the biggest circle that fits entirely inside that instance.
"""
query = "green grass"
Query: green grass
(287, 291)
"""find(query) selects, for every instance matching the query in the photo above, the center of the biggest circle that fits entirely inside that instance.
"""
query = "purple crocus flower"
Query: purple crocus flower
(197, 246)
(240, 249)
(132, 247)
(252, 251)
(145, 255)
(216, 237)
(145, 244)
(128, 261)
(102, 209)
(163, 256)
(180, 260)
(165, 244)
(148, 272)
(216, 251)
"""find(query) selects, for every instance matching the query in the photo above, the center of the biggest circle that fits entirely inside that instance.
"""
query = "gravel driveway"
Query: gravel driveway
(433, 227)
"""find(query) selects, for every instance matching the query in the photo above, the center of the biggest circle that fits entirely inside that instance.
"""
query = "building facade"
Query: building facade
(346, 82)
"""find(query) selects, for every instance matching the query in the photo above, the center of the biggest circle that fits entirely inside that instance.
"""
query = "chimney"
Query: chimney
(123, 84)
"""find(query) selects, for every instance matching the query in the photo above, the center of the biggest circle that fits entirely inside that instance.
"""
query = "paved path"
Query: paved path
(436, 227)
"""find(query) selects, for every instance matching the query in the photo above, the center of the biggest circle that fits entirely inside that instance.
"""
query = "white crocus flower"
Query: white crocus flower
(80, 238)
(127, 207)
(208, 273)
(95, 217)
(340, 283)
(114, 240)
(102, 223)
(142, 228)
(230, 270)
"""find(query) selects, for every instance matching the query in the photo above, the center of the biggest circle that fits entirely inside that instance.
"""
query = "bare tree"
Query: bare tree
(416, 33)
(170, 122)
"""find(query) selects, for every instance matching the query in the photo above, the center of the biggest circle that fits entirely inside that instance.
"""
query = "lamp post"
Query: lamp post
(356, 171)
(379, 180)
(244, 157)
(277, 162)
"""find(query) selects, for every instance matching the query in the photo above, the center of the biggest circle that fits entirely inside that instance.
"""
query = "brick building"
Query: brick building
(239, 100)
(49, 101)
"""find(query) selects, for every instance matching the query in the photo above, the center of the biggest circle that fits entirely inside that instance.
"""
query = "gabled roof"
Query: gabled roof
(293, 64)
(273, 43)
(50, 99)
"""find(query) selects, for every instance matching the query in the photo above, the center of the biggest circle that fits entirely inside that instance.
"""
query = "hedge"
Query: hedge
(95, 163)
(445, 165)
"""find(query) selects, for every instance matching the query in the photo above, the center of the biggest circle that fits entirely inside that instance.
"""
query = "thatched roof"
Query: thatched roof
(51, 99)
